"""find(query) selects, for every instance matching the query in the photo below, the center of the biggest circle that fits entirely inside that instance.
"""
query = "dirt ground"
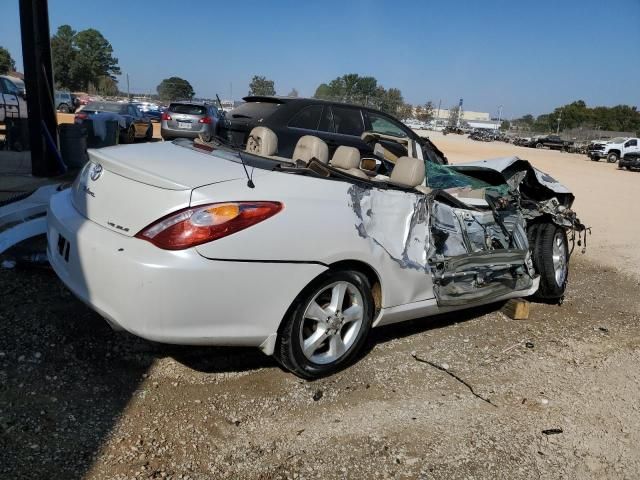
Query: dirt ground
(554, 396)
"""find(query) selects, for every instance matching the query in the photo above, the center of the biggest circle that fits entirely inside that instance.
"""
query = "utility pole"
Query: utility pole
(499, 116)
(128, 93)
(438, 114)
(559, 118)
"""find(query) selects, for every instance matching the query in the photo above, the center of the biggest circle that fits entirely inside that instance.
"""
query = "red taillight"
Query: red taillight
(205, 120)
(81, 116)
(194, 226)
(166, 116)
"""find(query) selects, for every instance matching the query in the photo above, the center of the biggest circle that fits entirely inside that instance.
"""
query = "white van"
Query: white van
(13, 103)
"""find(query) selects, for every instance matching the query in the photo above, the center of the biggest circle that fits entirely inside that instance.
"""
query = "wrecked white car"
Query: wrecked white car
(204, 244)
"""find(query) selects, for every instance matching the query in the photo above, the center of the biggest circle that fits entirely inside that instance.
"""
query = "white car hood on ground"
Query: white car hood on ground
(168, 166)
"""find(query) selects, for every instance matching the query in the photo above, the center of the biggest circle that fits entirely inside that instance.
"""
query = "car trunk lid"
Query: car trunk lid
(125, 188)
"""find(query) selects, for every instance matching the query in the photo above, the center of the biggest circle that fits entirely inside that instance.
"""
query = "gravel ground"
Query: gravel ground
(554, 396)
(80, 401)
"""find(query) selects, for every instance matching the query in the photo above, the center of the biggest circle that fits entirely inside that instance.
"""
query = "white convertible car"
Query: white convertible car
(204, 244)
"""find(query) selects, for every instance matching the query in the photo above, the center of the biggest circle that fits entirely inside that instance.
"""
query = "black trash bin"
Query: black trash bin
(111, 134)
(73, 145)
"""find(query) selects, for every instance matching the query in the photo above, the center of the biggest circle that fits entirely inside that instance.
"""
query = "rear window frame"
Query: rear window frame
(203, 108)
(269, 108)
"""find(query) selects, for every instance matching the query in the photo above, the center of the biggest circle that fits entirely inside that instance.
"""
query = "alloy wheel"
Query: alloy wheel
(331, 322)
(559, 257)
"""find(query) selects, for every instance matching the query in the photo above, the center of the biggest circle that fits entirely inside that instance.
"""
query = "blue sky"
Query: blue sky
(527, 56)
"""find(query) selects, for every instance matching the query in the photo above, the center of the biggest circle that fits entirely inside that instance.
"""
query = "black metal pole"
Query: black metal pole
(38, 79)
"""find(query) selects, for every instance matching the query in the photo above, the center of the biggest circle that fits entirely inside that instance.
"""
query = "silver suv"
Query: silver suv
(190, 120)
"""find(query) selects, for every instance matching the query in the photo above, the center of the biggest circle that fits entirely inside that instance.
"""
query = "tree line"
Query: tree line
(84, 61)
(620, 118)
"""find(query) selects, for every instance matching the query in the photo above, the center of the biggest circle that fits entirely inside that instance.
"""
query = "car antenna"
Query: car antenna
(250, 183)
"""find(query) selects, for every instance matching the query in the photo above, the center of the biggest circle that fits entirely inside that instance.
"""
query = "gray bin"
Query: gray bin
(73, 145)
(111, 130)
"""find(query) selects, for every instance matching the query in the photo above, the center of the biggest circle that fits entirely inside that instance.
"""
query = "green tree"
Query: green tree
(391, 101)
(261, 86)
(323, 92)
(455, 113)
(81, 58)
(107, 86)
(505, 125)
(63, 57)
(405, 111)
(175, 88)
(7, 64)
(93, 58)
(425, 112)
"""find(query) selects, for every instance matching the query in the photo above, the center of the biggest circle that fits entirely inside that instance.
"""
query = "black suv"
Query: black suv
(335, 123)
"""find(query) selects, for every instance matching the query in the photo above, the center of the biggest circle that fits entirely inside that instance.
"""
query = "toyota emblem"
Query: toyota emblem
(95, 172)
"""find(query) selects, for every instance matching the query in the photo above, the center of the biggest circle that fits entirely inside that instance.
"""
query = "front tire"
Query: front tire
(550, 255)
(612, 157)
(327, 325)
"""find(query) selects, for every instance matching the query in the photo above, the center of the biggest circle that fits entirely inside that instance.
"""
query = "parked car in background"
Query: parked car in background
(552, 142)
(630, 161)
(63, 102)
(133, 124)
(190, 120)
(151, 110)
(13, 98)
(613, 149)
(335, 123)
(630, 154)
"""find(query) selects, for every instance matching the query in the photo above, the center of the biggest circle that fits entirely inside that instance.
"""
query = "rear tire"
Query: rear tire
(129, 136)
(327, 325)
(64, 108)
(550, 256)
(539, 145)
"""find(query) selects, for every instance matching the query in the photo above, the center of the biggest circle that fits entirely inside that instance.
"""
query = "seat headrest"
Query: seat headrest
(408, 172)
(345, 158)
(309, 147)
(262, 141)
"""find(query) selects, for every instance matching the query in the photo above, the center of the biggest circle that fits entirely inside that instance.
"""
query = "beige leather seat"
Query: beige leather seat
(262, 141)
(347, 160)
(409, 172)
(309, 147)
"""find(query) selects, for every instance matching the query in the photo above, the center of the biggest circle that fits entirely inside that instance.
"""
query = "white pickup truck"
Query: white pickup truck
(614, 149)
(13, 102)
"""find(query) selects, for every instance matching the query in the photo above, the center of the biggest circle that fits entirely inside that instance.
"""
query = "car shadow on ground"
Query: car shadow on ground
(66, 378)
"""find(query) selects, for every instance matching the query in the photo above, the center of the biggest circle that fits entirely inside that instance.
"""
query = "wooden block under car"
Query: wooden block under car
(516, 308)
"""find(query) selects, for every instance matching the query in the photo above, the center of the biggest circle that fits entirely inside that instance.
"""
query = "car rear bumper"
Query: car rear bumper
(170, 296)
(176, 133)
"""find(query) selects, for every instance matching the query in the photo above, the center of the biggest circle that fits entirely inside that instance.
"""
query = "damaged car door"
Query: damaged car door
(476, 253)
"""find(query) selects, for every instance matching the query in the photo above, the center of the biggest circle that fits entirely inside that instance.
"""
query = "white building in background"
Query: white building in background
(467, 115)
(472, 119)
